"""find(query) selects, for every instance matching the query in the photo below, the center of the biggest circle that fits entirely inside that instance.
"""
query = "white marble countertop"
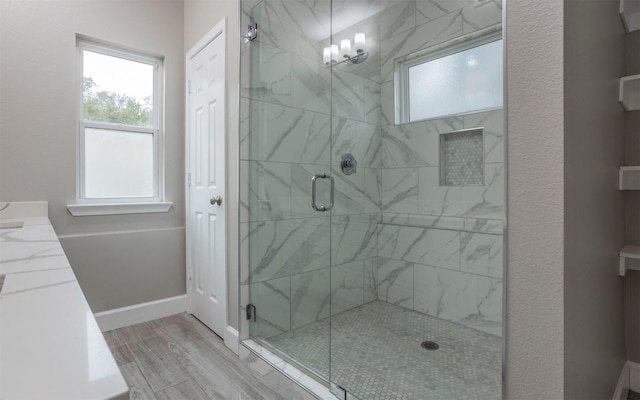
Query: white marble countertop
(50, 344)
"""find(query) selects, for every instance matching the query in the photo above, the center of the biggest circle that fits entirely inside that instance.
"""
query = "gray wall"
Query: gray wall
(594, 207)
(39, 130)
(564, 305)
(632, 209)
(200, 16)
(535, 193)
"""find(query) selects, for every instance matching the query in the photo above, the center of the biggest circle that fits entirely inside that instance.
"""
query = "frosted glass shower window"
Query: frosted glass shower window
(120, 134)
(459, 83)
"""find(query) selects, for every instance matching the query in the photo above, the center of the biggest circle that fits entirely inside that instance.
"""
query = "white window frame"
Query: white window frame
(402, 65)
(121, 205)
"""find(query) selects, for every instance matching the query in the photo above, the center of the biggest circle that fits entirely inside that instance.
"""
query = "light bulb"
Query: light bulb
(345, 48)
(334, 53)
(358, 42)
(326, 55)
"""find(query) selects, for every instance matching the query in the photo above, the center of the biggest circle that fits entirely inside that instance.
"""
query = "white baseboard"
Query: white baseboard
(622, 388)
(634, 376)
(138, 313)
(629, 380)
(232, 339)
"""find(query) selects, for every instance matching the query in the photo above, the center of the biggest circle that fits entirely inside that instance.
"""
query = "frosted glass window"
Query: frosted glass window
(120, 125)
(118, 164)
(459, 83)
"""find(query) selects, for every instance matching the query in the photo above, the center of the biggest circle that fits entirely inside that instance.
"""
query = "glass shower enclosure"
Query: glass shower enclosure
(372, 186)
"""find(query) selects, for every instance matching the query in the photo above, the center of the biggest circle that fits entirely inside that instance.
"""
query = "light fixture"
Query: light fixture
(345, 48)
(356, 55)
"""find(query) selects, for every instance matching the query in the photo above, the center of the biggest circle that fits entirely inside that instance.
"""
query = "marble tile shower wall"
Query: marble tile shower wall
(395, 234)
(286, 137)
(439, 247)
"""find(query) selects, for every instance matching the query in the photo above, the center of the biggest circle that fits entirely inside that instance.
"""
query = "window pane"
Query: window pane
(117, 90)
(118, 164)
(463, 82)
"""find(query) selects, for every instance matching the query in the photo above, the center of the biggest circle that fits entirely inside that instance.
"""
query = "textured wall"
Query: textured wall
(632, 206)
(594, 207)
(535, 206)
(39, 131)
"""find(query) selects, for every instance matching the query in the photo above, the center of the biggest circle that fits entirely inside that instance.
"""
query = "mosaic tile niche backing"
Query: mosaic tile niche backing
(461, 158)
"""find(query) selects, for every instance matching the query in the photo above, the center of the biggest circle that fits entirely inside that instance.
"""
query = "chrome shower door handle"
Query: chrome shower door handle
(314, 180)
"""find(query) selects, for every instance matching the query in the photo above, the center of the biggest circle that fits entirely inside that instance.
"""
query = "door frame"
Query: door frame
(219, 30)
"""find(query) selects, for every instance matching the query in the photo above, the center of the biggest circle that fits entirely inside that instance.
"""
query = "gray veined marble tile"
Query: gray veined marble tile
(462, 201)
(287, 247)
(483, 225)
(373, 189)
(245, 228)
(358, 138)
(269, 190)
(356, 193)
(455, 296)
(370, 279)
(400, 190)
(397, 18)
(481, 254)
(436, 247)
(415, 144)
(295, 26)
(418, 38)
(347, 95)
(267, 76)
(245, 127)
(274, 299)
(287, 134)
(354, 237)
(310, 84)
(410, 145)
(310, 297)
(481, 15)
(248, 5)
(428, 10)
(493, 124)
(372, 102)
(395, 282)
(387, 104)
(349, 8)
(347, 286)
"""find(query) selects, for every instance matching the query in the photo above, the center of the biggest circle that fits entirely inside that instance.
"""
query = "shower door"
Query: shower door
(371, 239)
(285, 166)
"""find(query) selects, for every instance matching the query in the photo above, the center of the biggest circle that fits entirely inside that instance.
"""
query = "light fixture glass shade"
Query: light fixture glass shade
(359, 42)
(334, 53)
(326, 55)
(345, 48)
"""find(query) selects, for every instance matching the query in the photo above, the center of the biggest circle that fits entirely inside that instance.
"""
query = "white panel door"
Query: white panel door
(206, 186)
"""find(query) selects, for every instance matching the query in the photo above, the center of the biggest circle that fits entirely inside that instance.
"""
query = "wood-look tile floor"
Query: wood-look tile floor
(179, 358)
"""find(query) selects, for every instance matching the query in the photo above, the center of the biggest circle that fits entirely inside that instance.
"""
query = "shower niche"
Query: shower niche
(410, 250)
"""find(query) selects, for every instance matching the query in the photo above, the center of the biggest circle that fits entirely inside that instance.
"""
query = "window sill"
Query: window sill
(81, 210)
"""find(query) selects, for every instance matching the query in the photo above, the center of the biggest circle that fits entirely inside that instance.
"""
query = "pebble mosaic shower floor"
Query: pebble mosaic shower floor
(376, 355)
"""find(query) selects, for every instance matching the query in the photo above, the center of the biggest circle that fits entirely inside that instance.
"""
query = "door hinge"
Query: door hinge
(188, 179)
(338, 391)
(189, 86)
(251, 312)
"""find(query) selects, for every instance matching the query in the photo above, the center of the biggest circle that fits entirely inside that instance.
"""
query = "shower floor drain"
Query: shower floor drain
(428, 345)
